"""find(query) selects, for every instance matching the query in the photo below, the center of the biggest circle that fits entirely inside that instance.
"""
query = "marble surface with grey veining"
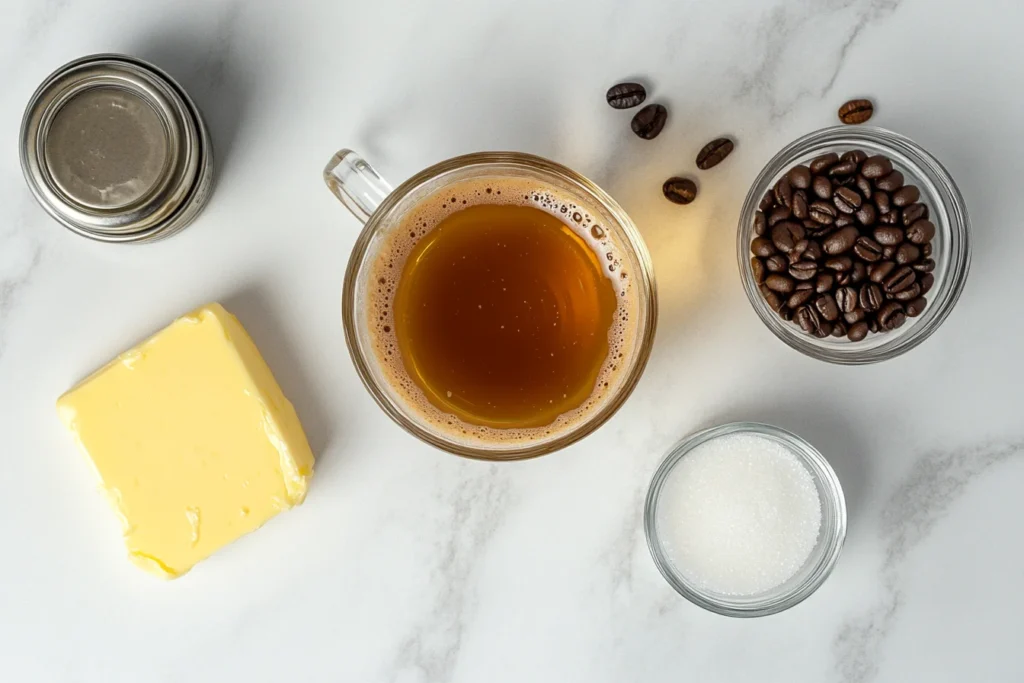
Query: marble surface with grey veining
(407, 565)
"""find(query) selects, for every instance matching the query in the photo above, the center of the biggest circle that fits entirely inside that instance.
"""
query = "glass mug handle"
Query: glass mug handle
(356, 184)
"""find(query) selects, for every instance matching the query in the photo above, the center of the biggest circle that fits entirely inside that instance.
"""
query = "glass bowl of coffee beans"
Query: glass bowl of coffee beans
(854, 244)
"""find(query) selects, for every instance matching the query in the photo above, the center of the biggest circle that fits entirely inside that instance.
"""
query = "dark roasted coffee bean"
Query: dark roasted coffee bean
(914, 213)
(786, 234)
(776, 263)
(843, 168)
(824, 330)
(799, 298)
(771, 298)
(911, 292)
(824, 283)
(807, 318)
(801, 286)
(858, 273)
(876, 167)
(878, 272)
(867, 249)
(824, 162)
(757, 268)
(713, 153)
(927, 280)
(907, 254)
(891, 316)
(784, 193)
(844, 278)
(921, 232)
(779, 213)
(760, 223)
(881, 200)
(780, 283)
(842, 220)
(856, 111)
(891, 218)
(857, 156)
(888, 236)
(867, 214)
(682, 191)
(900, 279)
(906, 195)
(762, 246)
(873, 324)
(822, 212)
(864, 187)
(839, 330)
(827, 308)
(889, 253)
(855, 316)
(798, 250)
(891, 182)
(822, 187)
(786, 313)
(626, 95)
(846, 299)
(804, 270)
(926, 249)
(871, 296)
(840, 241)
(799, 177)
(847, 200)
(839, 263)
(649, 121)
(916, 307)
(767, 201)
(926, 266)
(812, 225)
(814, 251)
(857, 331)
(800, 205)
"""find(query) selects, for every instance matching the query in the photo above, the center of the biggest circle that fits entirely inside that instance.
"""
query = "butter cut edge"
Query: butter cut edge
(278, 413)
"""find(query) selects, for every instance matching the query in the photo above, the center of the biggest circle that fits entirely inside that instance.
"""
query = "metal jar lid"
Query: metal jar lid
(115, 150)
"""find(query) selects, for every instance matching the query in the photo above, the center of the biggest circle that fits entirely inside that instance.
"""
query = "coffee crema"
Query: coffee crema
(500, 311)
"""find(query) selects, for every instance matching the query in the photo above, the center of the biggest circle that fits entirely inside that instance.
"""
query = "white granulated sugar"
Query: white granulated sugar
(739, 514)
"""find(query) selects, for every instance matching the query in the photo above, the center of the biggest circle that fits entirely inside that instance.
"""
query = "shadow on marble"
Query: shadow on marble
(208, 61)
(253, 308)
(823, 426)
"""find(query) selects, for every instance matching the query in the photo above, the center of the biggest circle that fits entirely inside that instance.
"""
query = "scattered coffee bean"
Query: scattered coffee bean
(891, 182)
(921, 232)
(914, 213)
(713, 153)
(683, 191)
(649, 121)
(856, 111)
(854, 257)
(906, 195)
(626, 95)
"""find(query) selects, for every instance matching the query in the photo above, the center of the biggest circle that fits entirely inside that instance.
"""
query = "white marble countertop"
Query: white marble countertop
(406, 564)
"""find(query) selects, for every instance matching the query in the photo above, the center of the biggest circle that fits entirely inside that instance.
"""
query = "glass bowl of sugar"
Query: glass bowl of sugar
(745, 519)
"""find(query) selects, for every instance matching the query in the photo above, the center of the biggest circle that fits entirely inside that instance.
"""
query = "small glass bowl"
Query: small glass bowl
(951, 245)
(816, 568)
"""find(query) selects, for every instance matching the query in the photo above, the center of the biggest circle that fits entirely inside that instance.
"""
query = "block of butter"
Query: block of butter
(192, 439)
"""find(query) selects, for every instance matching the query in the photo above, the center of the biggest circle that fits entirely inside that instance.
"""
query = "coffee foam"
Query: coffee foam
(386, 268)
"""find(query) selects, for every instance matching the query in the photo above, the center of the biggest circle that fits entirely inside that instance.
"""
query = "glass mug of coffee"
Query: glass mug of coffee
(496, 305)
